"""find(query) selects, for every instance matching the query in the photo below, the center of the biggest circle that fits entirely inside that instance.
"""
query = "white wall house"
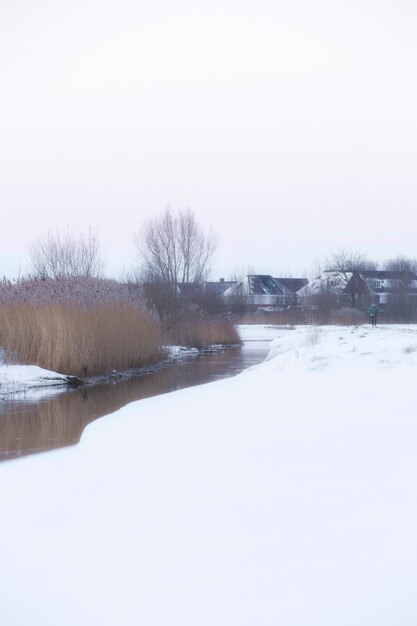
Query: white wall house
(380, 286)
(264, 292)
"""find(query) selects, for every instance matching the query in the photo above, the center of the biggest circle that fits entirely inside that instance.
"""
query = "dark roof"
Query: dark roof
(377, 274)
(263, 284)
(187, 289)
(388, 274)
(217, 288)
(207, 287)
(293, 284)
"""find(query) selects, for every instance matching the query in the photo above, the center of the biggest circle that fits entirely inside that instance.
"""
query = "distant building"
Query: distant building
(206, 296)
(206, 288)
(293, 284)
(359, 287)
(262, 291)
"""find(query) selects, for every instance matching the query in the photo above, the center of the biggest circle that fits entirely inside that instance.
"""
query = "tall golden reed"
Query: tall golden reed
(80, 341)
(202, 333)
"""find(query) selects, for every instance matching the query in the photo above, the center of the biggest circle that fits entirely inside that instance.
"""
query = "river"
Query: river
(57, 418)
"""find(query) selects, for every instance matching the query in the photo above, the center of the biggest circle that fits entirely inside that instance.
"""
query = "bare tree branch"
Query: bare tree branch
(346, 265)
(67, 255)
(174, 248)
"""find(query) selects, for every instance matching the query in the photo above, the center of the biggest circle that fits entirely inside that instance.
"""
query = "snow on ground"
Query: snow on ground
(25, 379)
(283, 496)
(33, 382)
(251, 332)
(176, 352)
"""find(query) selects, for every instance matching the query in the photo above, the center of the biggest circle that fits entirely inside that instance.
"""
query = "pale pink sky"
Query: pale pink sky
(288, 126)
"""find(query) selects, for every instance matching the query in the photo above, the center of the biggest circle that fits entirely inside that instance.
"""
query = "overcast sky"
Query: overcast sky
(288, 126)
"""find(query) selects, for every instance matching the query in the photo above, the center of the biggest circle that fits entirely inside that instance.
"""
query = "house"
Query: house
(357, 288)
(386, 285)
(262, 291)
(293, 284)
(206, 295)
(205, 288)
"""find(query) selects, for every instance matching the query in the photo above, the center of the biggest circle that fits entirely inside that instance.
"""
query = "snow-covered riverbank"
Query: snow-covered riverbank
(28, 379)
(33, 382)
(282, 496)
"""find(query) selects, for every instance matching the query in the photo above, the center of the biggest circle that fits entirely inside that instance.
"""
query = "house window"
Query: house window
(378, 284)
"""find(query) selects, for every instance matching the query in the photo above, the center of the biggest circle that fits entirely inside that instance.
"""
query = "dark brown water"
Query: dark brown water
(58, 419)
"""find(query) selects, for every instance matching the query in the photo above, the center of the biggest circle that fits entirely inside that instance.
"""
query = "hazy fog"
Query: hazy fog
(288, 126)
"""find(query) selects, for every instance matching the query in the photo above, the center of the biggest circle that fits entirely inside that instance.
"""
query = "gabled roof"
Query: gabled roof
(208, 287)
(187, 289)
(388, 274)
(293, 284)
(330, 279)
(364, 281)
(263, 284)
(375, 274)
(217, 287)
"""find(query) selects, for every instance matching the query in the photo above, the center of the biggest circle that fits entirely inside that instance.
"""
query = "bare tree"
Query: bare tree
(67, 255)
(401, 305)
(401, 264)
(346, 267)
(319, 304)
(346, 260)
(237, 297)
(174, 249)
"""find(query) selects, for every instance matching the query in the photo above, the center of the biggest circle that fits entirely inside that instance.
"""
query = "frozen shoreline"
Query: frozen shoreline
(31, 381)
(282, 496)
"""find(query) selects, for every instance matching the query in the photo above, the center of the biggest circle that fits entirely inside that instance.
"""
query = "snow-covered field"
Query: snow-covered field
(283, 496)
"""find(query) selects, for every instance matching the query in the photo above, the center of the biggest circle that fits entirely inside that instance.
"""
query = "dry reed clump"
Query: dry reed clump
(80, 341)
(347, 316)
(278, 318)
(203, 333)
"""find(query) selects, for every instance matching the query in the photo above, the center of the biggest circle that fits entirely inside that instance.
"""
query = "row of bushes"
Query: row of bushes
(84, 328)
(344, 316)
(100, 338)
(201, 333)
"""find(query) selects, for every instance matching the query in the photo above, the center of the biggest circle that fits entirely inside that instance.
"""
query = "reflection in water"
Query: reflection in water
(58, 420)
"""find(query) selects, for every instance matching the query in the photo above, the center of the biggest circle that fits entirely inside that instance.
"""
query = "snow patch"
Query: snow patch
(20, 379)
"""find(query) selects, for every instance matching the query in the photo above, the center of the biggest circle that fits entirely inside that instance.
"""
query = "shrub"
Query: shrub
(347, 316)
(203, 333)
(87, 326)
(81, 291)
(279, 318)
